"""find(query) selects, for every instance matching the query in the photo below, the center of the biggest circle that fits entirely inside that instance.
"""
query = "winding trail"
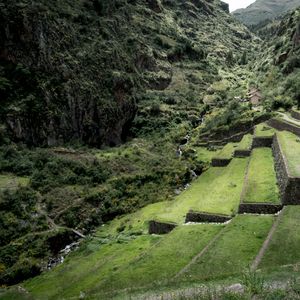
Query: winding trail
(266, 243)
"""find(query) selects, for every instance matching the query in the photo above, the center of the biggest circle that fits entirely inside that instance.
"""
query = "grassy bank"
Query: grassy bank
(261, 185)
(284, 246)
(234, 251)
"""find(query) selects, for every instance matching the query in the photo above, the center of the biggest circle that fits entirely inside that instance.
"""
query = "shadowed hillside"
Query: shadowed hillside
(79, 70)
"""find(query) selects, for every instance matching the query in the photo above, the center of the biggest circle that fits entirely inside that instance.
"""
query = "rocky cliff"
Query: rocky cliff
(73, 70)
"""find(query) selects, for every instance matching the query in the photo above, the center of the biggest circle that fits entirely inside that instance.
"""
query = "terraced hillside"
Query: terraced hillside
(134, 162)
(122, 258)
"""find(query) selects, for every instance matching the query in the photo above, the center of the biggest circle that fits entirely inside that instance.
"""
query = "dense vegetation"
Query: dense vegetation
(278, 64)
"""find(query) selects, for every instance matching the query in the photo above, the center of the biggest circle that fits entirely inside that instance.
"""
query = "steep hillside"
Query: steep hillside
(76, 73)
(78, 70)
(262, 10)
(278, 65)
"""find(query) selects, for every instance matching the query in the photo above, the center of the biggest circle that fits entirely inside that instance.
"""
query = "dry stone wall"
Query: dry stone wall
(259, 142)
(295, 114)
(259, 208)
(281, 125)
(156, 227)
(242, 153)
(200, 217)
(220, 162)
(289, 186)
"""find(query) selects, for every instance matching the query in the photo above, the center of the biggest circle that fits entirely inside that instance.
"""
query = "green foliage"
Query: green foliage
(48, 170)
(244, 59)
(226, 117)
(254, 282)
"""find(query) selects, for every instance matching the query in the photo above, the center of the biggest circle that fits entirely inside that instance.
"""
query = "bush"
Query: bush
(282, 102)
(291, 63)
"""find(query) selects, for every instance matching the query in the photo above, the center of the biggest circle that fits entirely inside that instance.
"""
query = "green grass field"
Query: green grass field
(261, 184)
(290, 145)
(263, 130)
(226, 184)
(234, 251)
(8, 181)
(285, 244)
(132, 264)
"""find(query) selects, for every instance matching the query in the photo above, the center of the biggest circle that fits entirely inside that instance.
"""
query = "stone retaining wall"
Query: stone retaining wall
(242, 153)
(295, 114)
(156, 227)
(281, 125)
(259, 142)
(220, 162)
(259, 208)
(244, 127)
(232, 139)
(289, 186)
(200, 217)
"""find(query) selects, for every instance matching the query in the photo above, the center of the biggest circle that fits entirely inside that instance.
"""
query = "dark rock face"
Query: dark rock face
(289, 186)
(199, 217)
(259, 208)
(156, 227)
(71, 94)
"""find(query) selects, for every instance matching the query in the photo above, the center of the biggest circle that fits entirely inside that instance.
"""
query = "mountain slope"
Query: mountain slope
(77, 70)
(262, 10)
(277, 65)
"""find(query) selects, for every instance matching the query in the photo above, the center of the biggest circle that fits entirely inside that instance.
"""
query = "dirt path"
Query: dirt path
(201, 253)
(266, 243)
(53, 226)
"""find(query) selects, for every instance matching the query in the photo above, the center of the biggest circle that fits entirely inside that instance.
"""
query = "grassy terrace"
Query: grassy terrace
(263, 130)
(234, 251)
(290, 145)
(285, 244)
(227, 151)
(261, 184)
(205, 155)
(101, 268)
(11, 182)
(226, 184)
(245, 143)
